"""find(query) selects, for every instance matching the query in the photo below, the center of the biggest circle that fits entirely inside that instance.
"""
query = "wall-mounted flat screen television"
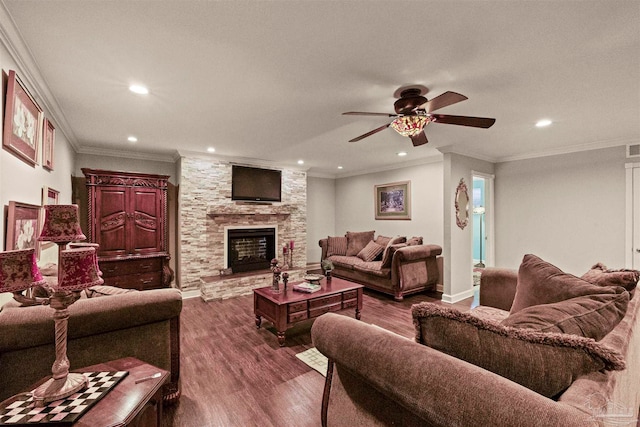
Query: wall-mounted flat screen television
(255, 184)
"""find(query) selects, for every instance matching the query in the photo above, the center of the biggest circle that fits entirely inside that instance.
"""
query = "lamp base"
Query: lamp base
(54, 389)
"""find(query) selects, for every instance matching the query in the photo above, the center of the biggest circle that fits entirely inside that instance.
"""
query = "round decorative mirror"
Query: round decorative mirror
(462, 205)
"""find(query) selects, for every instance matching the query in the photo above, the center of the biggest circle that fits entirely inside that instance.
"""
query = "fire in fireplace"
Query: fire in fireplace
(250, 249)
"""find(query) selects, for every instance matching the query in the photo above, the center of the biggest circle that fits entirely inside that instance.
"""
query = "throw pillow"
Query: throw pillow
(590, 316)
(544, 362)
(414, 241)
(602, 276)
(356, 241)
(382, 241)
(101, 291)
(387, 255)
(336, 245)
(540, 282)
(370, 252)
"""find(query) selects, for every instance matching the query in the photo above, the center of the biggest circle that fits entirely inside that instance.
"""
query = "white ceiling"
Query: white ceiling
(268, 80)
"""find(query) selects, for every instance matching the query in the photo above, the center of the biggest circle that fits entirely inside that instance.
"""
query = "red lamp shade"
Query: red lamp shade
(78, 269)
(19, 270)
(61, 224)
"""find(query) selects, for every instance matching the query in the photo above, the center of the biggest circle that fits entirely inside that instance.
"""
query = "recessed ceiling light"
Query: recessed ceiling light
(402, 153)
(139, 89)
(132, 139)
(542, 123)
(301, 162)
(211, 150)
(340, 167)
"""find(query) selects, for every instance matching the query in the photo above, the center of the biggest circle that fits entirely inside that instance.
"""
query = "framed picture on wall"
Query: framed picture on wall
(48, 142)
(50, 196)
(23, 227)
(393, 201)
(22, 119)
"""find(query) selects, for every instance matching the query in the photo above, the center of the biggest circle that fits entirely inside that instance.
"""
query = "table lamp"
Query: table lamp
(77, 270)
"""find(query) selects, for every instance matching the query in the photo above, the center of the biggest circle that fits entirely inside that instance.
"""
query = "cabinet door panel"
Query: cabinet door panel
(147, 225)
(111, 220)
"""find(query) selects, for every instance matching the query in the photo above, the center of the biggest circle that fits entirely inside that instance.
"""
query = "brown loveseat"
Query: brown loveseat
(144, 325)
(395, 266)
(366, 385)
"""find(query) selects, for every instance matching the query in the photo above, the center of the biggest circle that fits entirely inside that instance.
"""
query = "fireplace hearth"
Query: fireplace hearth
(250, 249)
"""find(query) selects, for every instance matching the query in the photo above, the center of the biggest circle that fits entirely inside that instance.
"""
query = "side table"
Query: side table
(136, 401)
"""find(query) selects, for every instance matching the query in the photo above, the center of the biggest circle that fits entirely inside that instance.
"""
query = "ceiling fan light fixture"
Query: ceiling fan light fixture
(410, 125)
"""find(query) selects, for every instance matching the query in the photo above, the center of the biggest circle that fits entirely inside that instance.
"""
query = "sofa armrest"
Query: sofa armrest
(323, 244)
(381, 367)
(498, 287)
(417, 252)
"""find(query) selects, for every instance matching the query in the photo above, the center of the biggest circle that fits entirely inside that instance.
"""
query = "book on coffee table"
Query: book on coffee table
(306, 287)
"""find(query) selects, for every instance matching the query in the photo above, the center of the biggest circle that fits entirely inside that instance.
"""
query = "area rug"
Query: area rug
(314, 359)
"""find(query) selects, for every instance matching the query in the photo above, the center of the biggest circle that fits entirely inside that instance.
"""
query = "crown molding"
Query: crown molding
(29, 72)
(248, 161)
(406, 164)
(569, 149)
(137, 155)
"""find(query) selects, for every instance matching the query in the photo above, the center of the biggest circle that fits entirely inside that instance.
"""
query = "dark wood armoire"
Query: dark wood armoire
(127, 217)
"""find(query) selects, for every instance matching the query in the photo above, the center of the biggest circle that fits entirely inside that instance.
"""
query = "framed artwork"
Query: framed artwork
(22, 116)
(50, 196)
(393, 201)
(48, 142)
(23, 226)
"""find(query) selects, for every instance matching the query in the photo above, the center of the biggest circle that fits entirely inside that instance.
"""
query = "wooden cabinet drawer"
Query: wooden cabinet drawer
(322, 301)
(318, 311)
(296, 317)
(134, 266)
(349, 295)
(140, 281)
(297, 306)
(350, 303)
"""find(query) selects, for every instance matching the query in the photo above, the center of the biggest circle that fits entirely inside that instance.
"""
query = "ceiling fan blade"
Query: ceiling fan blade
(381, 128)
(476, 122)
(419, 139)
(360, 113)
(443, 100)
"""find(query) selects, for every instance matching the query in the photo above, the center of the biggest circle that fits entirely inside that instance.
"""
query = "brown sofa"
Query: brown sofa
(401, 268)
(366, 385)
(144, 325)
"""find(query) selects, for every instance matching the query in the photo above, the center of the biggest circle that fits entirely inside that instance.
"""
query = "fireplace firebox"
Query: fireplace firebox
(250, 249)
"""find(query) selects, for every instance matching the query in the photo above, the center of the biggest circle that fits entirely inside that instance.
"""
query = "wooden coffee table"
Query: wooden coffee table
(290, 307)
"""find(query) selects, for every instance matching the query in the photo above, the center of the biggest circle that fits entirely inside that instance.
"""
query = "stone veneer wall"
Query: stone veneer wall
(206, 208)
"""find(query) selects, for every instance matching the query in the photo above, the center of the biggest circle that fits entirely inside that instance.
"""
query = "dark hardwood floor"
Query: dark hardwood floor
(234, 374)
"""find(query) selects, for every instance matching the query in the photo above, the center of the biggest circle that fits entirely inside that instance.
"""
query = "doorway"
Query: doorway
(482, 247)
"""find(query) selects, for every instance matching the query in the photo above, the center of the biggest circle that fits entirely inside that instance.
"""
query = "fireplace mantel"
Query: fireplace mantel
(219, 210)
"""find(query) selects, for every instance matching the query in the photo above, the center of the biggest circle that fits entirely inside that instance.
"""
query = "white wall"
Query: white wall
(125, 164)
(567, 209)
(355, 203)
(321, 214)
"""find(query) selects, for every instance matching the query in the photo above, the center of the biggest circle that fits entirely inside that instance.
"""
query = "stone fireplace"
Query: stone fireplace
(249, 249)
(207, 213)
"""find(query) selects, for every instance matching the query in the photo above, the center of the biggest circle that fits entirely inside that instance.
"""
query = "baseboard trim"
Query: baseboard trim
(194, 293)
(452, 299)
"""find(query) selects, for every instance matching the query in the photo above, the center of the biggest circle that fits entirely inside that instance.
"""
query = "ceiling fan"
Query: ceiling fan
(414, 112)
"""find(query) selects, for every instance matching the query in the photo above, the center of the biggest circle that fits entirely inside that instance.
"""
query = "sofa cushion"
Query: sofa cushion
(602, 276)
(344, 262)
(540, 282)
(336, 245)
(370, 252)
(374, 268)
(387, 255)
(489, 314)
(544, 362)
(356, 241)
(591, 316)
